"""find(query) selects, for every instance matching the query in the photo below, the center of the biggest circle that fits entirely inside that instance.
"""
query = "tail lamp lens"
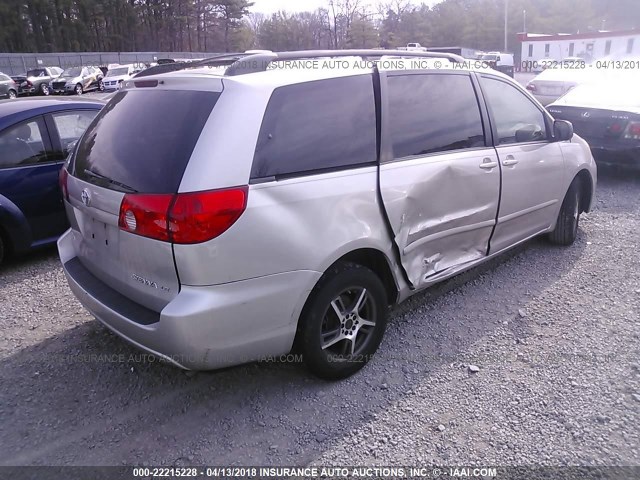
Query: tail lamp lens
(184, 218)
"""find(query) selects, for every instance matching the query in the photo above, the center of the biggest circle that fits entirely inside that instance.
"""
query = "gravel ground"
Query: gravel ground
(532, 359)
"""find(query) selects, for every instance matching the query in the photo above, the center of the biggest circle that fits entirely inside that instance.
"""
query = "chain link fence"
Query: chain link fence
(17, 63)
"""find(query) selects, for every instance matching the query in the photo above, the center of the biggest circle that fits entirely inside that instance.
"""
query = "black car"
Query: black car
(8, 88)
(35, 138)
(607, 115)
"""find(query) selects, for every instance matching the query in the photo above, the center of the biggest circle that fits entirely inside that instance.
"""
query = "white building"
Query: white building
(590, 46)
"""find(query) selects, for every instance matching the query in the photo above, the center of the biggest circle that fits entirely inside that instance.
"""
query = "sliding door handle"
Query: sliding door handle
(488, 164)
(509, 161)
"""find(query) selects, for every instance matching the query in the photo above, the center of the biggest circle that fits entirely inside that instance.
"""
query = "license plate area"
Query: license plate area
(100, 236)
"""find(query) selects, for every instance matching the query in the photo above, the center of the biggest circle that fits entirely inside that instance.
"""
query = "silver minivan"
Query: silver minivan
(248, 205)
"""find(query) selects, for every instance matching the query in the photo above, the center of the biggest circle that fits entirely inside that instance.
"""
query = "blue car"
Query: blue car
(35, 138)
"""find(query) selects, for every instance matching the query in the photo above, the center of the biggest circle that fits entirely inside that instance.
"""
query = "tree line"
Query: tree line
(229, 25)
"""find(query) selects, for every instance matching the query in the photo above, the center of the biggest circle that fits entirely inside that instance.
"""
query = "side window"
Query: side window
(516, 117)
(71, 126)
(84, 72)
(22, 145)
(433, 113)
(317, 125)
(4, 78)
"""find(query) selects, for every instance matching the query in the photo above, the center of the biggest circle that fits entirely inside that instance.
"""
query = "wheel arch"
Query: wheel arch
(376, 261)
(585, 181)
(14, 227)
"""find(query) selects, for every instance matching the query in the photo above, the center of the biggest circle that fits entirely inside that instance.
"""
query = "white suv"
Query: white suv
(224, 215)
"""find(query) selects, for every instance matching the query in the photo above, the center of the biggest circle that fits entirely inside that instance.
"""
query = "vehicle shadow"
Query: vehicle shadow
(19, 265)
(84, 397)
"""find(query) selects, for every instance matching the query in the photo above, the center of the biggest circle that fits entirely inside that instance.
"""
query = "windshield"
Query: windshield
(116, 72)
(36, 73)
(72, 72)
(489, 58)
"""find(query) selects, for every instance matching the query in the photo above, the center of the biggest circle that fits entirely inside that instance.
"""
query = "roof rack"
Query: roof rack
(245, 63)
(218, 60)
(260, 62)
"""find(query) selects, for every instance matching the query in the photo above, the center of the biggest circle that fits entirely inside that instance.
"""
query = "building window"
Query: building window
(630, 45)
(546, 50)
(571, 48)
(607, 47)
(530, 50)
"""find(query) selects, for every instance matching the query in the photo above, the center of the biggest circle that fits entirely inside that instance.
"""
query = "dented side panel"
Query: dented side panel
(442, 209)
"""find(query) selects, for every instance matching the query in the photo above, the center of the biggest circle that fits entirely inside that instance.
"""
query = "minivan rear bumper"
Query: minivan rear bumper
(203, 327)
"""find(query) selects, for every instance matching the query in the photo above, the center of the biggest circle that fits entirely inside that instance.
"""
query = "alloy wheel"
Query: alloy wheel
(348, 323)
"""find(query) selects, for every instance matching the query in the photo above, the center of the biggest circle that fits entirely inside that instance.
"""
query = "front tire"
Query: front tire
(566, 229)
(78, 89)
(343, 322)
(44, 90)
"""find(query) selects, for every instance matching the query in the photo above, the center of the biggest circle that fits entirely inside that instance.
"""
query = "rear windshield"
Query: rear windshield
(143, 139)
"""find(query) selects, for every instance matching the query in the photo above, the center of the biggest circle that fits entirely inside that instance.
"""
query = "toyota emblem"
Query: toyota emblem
(86, 197)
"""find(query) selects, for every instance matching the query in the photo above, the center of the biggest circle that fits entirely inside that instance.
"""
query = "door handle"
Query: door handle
(488, 164)
(509, 161)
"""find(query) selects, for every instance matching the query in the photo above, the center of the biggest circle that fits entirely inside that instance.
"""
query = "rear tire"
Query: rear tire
(566, 229)
(12, 95)
(343, 322)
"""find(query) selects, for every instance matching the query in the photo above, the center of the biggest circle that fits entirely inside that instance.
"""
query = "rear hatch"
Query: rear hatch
(137, 148)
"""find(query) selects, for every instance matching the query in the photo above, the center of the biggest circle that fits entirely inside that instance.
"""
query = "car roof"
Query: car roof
(12, 111)
(277, 77)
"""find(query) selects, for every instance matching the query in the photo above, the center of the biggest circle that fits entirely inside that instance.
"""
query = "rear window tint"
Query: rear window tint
(144, 139)
(433, 113)
(316, 126)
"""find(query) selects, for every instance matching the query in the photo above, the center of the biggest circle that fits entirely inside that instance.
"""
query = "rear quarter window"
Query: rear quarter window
(316, 126)
(144, 138)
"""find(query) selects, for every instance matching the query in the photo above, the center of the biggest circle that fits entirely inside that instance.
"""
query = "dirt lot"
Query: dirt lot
(554, 332)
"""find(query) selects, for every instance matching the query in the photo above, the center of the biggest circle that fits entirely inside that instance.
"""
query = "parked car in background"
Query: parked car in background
(213, 223)
(78, 80)
(36, 81)
(415, 47)
(552, 83)
(502, 62)
(607, 115)
(36, 136)
(8, 87)
(116, 75)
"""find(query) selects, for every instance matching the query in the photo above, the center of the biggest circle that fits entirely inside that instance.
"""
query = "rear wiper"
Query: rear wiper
(110, 181)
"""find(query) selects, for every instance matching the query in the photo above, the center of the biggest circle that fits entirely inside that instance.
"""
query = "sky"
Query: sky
(272, 6)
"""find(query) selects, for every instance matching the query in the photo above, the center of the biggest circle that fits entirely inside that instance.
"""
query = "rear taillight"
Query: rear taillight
(63, 177)
(531, 87)
(183, 218)
(615, 129)
(633, 131)
(146, 215)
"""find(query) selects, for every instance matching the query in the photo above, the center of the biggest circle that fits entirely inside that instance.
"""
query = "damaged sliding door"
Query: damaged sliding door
(439, 176)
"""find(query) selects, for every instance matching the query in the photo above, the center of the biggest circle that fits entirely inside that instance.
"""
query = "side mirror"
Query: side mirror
(528, 133)
(562, 130)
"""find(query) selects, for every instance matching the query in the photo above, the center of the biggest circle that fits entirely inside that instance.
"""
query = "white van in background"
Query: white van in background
(503, 62)
(116, 75)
